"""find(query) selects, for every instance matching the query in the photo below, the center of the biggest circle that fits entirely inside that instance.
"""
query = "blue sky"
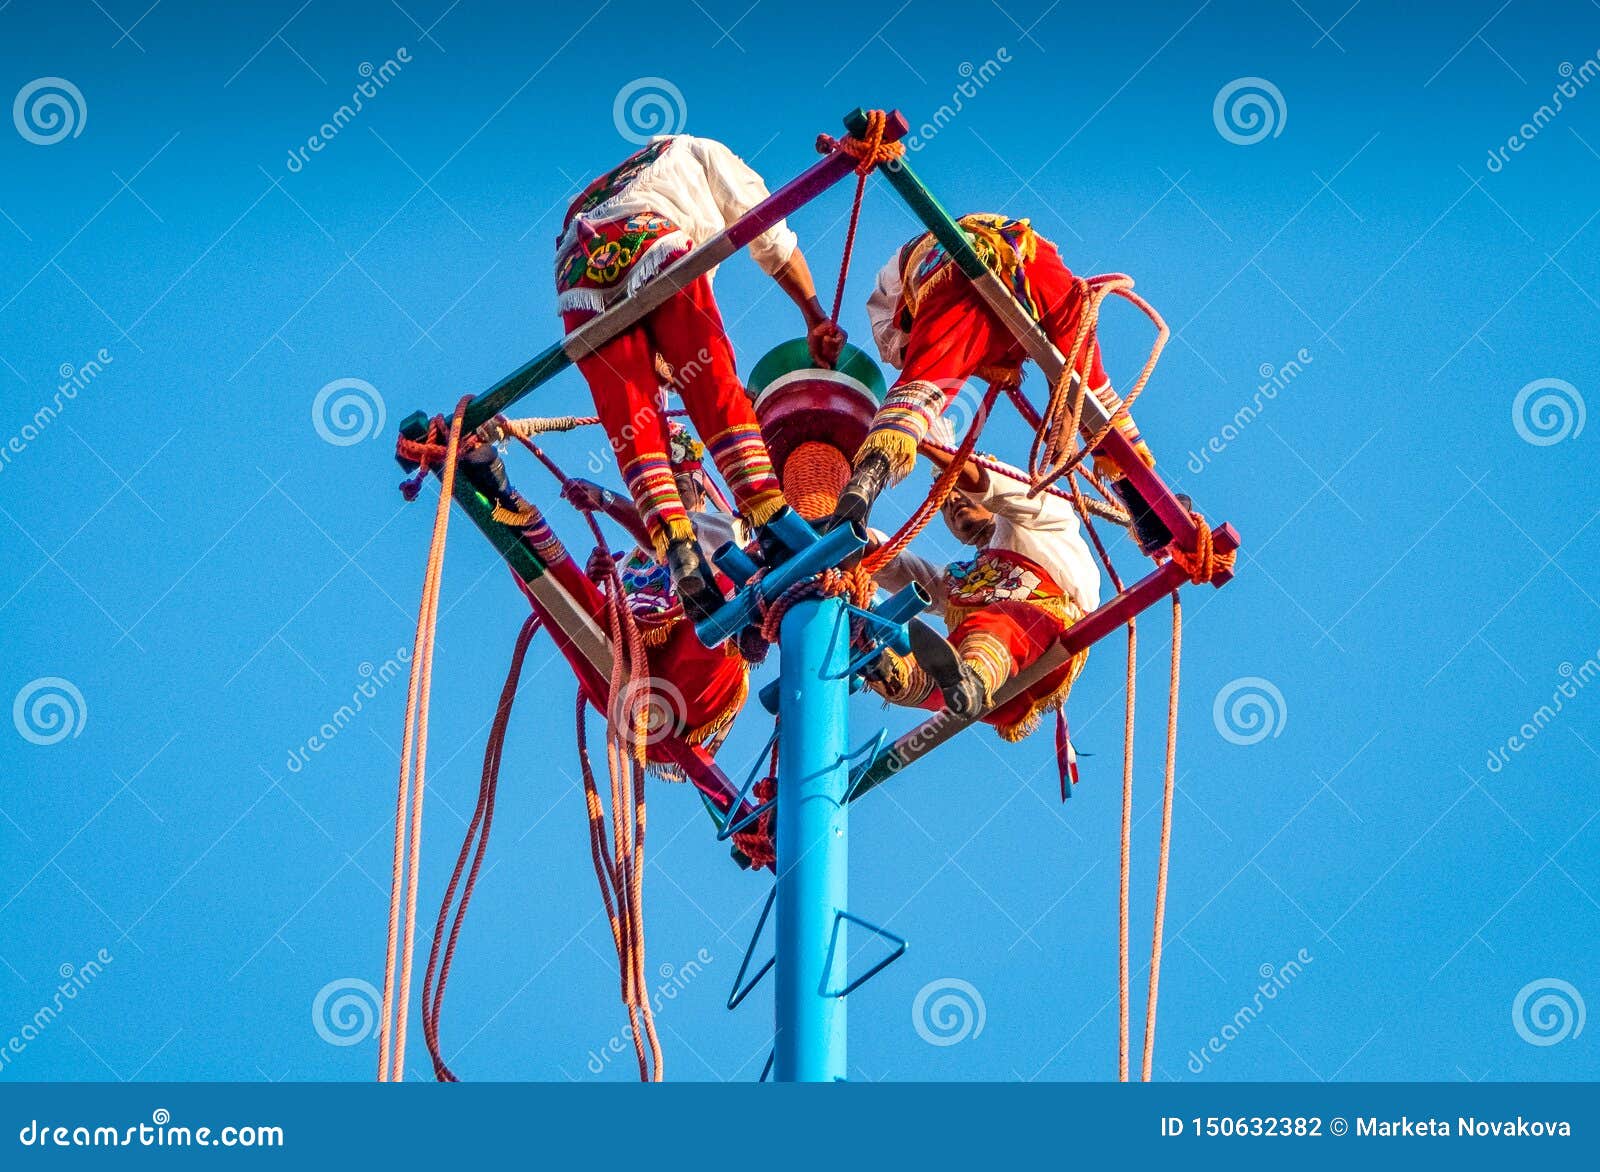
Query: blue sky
(212, 578)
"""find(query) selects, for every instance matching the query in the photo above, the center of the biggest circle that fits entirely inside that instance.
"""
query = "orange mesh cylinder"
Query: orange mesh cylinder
(814, 475)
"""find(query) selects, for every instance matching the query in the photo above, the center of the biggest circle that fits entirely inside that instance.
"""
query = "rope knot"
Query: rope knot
(869, 150)
(1205, 561)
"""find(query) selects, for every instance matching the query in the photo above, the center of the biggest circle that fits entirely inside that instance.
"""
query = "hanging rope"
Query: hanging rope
(868, 151)
(1169, 786)
(477, 837)
(619, 866)
(1057, 446)
(413, 761)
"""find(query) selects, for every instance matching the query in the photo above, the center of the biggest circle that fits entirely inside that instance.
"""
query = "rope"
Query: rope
(414, 759)
(619, 865)
(868, 152)
(942, 488)
(1168, 787)
(1056, 448)
(482, 821)
(1205, 562)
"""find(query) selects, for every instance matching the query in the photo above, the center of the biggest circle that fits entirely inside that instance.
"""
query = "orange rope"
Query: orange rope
(1168, 789)
(619, 865)
(1206, 561)
(1056, 450)
(942, 488)
(868, 152)
(414, 760)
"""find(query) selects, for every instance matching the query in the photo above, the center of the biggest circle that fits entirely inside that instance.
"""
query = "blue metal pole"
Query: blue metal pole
(813, 778)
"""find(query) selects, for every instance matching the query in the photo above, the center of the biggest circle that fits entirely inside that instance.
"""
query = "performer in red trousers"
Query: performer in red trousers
(930, 323)
(677, 192)
(697, 690)
(1032, 578)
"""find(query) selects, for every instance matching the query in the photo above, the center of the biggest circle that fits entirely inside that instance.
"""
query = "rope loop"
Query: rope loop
(867, 151)
(1206, 561)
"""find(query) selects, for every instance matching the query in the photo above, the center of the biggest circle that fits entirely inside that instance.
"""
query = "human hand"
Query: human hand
(826, 341)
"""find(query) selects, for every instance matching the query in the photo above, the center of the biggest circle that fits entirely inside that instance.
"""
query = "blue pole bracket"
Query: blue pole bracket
(738, 993)
(900, 945)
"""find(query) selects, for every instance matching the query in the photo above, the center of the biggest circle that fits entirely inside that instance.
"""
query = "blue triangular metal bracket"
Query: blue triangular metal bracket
(727, 828)
(833, 942)
(738, 994)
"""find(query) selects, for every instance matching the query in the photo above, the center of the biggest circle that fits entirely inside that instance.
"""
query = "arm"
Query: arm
(589, 496)
(825, 338)
(908, 568)
(974, 479)
(736, 188)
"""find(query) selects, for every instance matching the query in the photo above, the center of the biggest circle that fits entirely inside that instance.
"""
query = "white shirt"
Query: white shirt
(881, 306)
(702, 187)
(1043, 529)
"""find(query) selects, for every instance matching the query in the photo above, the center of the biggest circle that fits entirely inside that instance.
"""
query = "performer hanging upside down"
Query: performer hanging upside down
(932, 325)
(698, 690)
(1032, 578)
(677, 192)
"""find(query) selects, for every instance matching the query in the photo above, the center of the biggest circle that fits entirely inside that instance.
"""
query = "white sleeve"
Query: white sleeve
(881, 307)
(908, 568)
(735, 189)
(1007, 496)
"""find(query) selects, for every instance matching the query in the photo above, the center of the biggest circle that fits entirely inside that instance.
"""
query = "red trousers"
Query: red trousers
(687, 332)
(955, 335)
(696, 690)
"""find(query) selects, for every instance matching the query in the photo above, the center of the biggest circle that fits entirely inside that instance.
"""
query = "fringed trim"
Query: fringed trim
(1004, 377)
(656, 634)
(663, 252)
(1062, 608)
(897, 446)
(765, 507)
(904, 681)
(990, 659)
(581, 301)
(664, 533)
(1019, 729)
(723, 719)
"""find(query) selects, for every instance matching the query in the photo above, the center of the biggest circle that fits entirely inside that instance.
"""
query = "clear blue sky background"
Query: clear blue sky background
(211, 575)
